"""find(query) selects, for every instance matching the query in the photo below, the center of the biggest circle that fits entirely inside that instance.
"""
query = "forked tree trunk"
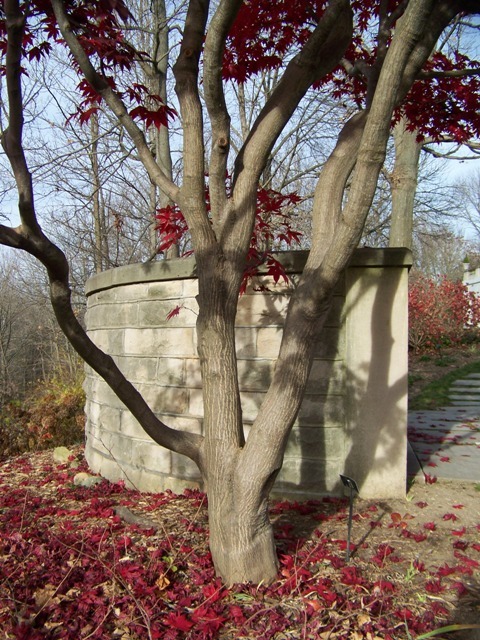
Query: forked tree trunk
(239, 475)
(241, 536)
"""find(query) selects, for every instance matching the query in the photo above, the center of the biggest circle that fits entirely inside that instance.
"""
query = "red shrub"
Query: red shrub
(440, 312)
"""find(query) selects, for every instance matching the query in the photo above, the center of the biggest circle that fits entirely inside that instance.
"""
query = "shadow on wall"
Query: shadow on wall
(377, 382)
(358, 425)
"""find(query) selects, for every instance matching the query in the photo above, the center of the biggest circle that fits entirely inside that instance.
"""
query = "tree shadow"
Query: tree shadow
(376, 393)
(353, 419)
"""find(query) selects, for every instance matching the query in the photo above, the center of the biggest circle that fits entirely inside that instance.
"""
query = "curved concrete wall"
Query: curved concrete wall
(352, 420)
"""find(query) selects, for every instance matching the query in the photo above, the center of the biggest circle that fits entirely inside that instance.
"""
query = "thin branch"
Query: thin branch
(11, 237)
(454, 73)
(12, 136)
(451, 154)
(114, 101)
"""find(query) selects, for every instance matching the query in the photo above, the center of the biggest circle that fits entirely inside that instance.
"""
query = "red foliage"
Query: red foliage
(171, 225)
(456, 98)
(174, 312)
(98, 28)
(440, 312)
(273, 228)
(263, 37)
(265, 34)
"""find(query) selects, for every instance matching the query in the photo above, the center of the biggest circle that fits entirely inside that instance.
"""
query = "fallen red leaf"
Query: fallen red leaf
(459, 532)
(434, 586)
(445, 570)
(449, 516)
(460, 588)
(419, 566)
(178, 621)
(460, 544)
(468, 562)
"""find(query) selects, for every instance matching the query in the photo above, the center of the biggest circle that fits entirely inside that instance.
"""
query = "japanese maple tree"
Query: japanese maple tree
(310, 44)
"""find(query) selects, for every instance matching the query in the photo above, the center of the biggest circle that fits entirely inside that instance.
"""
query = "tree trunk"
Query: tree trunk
(403, 182)
(241, 535)
(100, 252)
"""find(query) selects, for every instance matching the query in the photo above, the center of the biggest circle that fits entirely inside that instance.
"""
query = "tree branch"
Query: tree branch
(186, 70)
(115, 103)
(215, 101)
(12, 136)
(442, 13)
(452, 153)
(333, 180)
(454, 73)
(11, 237)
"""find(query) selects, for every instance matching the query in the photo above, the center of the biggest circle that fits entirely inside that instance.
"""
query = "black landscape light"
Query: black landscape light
(352, 485)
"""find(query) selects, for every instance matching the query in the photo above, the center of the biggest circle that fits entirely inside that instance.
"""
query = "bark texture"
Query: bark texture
(403, 184)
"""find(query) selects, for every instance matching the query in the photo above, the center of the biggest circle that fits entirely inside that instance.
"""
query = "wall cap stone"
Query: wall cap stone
(185, 268)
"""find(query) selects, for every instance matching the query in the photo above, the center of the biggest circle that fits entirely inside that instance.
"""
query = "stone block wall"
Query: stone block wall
(341, 427)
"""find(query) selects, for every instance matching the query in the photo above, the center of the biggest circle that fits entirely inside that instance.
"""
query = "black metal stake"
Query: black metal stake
(352, 485)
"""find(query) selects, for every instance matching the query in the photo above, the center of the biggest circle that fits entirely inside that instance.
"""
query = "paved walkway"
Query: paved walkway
(446, 443)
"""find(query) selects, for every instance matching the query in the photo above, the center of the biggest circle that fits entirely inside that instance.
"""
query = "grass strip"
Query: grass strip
(436, 394)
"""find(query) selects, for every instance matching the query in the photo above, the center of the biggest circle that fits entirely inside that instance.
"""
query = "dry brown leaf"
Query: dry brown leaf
(363, 618)
(44, 596)
(162, 582)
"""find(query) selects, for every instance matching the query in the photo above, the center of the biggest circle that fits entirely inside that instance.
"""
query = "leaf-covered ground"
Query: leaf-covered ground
(72, 566)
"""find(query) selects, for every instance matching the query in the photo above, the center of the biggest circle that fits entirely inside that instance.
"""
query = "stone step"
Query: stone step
(454, 395)
(465, 392)
(469, 403)
(467, 383)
